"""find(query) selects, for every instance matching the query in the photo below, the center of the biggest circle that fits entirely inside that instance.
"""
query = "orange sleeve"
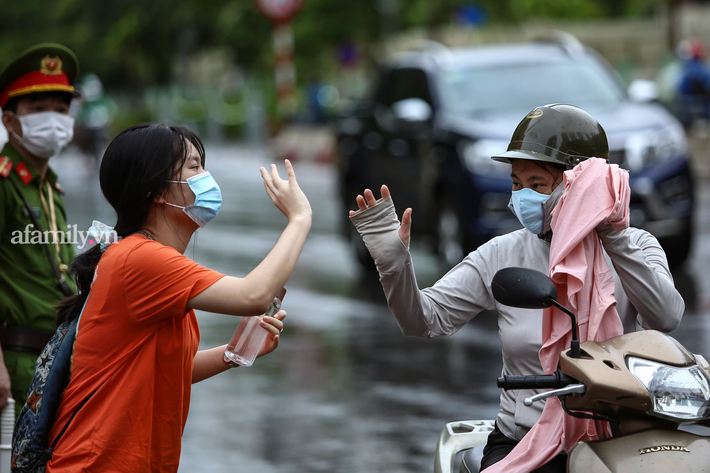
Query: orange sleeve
(159, 281)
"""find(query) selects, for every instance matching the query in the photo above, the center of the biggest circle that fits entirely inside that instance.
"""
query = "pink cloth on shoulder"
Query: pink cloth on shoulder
(595, 192)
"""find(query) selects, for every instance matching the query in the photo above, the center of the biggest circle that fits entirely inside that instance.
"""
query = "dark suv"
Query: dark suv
(438, 115)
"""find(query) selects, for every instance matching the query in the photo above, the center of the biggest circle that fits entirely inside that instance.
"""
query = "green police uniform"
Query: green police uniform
(29, 289)
(28, 286)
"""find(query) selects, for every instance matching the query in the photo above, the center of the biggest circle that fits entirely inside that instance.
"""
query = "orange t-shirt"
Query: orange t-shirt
(133, 362)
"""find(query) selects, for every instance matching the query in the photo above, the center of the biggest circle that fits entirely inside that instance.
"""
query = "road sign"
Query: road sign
(279, 11)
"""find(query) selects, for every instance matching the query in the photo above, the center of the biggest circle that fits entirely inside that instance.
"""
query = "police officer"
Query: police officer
(549, 140)
(35, 93)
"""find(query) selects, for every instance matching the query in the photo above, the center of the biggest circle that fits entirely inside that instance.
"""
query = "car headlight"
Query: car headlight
(477, 156)
(650, 147)
(677, 393)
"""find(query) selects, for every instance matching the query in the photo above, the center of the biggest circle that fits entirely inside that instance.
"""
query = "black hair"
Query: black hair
(11, 105)
(135, 169)
(556, 170)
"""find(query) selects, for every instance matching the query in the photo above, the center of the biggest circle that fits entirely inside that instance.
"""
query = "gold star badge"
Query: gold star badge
(51, 66)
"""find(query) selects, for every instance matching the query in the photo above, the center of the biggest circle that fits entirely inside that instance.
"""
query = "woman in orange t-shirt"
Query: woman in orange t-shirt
(135, 355)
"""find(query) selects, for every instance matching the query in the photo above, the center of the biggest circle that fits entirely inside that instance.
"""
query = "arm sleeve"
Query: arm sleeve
(643, 269)
(159, 281)
(433, 312)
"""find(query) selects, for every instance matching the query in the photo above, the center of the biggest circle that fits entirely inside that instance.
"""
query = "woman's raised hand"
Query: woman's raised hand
(286, 195)
(363, 203)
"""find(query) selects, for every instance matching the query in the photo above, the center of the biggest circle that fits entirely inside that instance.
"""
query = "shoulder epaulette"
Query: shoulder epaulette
(59, 188)
(5, 166)
(23, 172)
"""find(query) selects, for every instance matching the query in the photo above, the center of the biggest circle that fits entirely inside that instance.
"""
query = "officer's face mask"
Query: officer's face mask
(44, 134)
(208, 198)
(526, 204)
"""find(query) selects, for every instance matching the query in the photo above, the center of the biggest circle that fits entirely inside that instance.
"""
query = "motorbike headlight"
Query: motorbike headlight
(677, 393)
(650, 147)
(477, 156)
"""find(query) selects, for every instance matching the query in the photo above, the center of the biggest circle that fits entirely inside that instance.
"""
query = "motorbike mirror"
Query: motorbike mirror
(524, 288)
(529, 289)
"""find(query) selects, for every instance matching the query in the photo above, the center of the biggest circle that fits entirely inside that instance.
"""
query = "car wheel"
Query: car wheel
(450, 247)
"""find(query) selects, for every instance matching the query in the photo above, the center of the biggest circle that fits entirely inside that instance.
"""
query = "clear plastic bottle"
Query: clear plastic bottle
(250, 336)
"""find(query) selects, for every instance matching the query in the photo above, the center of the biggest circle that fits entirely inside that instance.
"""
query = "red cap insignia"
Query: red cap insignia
(24, 173)
(5, 166)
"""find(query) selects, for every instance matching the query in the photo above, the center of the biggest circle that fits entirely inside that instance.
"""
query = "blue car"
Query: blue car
(437, 116)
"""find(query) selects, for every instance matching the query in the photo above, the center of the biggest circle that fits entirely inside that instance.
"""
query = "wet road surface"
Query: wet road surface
(345, 391)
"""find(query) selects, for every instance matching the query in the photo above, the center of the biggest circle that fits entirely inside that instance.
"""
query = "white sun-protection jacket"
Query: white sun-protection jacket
(645, 294)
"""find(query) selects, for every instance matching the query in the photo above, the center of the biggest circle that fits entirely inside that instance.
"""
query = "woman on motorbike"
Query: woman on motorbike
(548, 141)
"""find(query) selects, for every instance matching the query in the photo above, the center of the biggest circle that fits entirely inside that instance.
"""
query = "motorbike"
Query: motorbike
(654, 393)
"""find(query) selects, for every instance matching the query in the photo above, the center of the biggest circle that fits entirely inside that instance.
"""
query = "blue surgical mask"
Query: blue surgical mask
(526, 204)
(208, 198)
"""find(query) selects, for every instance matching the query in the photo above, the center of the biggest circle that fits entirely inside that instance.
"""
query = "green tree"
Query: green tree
(572, 9)
(135, 43)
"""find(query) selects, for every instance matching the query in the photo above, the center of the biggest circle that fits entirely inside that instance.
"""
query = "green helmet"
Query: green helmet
(557, 133)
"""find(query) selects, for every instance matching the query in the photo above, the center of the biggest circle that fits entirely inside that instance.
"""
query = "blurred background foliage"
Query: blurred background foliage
(135, 43)
(165, 51)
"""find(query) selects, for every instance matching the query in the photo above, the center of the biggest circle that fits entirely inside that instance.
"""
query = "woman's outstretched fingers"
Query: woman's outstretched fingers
(405, 227)
(370, 198)
(268, 183)
(407, 217)
(265, 175)
(275, 174)
(290, 172)
(361, 202)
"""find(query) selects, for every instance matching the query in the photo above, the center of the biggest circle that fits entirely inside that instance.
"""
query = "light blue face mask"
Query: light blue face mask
(526, 204)
(208, 198)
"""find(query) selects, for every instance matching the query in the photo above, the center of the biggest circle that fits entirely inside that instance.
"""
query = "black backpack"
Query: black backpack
(30, 440)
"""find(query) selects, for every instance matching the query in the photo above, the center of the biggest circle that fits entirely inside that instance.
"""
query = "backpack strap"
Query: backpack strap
(66, 426)
(53, 390)
(81, 313)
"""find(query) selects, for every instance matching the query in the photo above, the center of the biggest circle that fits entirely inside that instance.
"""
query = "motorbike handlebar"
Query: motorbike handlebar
(540, 381)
